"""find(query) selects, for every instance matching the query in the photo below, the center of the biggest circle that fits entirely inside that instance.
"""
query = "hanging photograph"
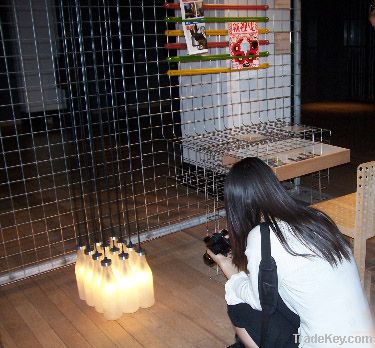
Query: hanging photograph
(194, 31)
(244, 44)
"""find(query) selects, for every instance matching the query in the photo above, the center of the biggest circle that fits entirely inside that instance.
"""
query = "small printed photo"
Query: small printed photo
(194, 10)
(198, 37)
(199, 11)
(189, 11)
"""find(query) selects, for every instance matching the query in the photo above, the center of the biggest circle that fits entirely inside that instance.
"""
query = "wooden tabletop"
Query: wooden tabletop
(342, 211)
(322, 156)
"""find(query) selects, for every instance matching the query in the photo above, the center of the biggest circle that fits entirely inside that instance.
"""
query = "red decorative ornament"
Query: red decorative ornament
(241, 48)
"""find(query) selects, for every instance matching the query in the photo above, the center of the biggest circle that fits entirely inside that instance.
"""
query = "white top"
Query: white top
(329, 300)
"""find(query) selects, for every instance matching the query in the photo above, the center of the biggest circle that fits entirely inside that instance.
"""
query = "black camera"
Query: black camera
(218, 243)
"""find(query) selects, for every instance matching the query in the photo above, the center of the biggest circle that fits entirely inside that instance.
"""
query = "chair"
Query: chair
(354, 214)
(365, 217)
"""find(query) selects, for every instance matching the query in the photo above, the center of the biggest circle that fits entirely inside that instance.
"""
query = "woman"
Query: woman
(317, 275)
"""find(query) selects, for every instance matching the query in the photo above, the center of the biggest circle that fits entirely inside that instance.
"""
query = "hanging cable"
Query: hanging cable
(95, 182)
(116, 130)
(64, 127)
(70, 55)
(101, 129)
(131, 167)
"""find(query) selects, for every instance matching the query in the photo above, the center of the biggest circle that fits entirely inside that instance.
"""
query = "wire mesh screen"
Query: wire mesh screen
(99, 140)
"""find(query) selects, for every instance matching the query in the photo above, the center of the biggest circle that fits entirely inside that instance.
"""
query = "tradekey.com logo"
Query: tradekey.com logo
(333, 339)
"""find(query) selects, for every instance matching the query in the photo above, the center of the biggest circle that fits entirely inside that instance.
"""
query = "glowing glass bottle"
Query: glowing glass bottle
(109, 292)
(128, 287)
(88, 274)
(97, 281)
(80, 272)
(145, 281)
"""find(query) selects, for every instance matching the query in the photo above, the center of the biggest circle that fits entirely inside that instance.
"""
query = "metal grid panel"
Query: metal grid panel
(83, 128)
(96, 137)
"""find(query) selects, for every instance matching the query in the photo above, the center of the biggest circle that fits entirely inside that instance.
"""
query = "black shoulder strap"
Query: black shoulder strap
(267, 282)
(265, 244)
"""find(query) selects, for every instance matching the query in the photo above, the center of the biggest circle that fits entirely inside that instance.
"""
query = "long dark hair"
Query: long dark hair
(252, 192)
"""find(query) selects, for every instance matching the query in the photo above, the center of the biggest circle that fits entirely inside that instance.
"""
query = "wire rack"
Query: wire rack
(216, 151)
(260, 139)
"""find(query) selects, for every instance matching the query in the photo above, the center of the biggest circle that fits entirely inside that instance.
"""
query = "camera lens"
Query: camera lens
(208, 260)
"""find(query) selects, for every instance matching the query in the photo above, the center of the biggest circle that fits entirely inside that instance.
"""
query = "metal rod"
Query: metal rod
(216, 19)
(174, 6)
(210, 32)
(224, 56)
(182, 46)
(204, 71)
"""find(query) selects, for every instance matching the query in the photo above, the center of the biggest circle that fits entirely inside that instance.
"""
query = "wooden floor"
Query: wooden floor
(190, 310)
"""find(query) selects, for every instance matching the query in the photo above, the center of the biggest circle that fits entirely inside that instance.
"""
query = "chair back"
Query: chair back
(365, 209)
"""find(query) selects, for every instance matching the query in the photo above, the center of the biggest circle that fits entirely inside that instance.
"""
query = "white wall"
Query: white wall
(212, 102)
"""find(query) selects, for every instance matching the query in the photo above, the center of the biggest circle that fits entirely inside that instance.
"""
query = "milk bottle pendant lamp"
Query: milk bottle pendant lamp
(115, 277)
(112, 277)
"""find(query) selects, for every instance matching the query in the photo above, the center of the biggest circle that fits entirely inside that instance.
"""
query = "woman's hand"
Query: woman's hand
(224, 262)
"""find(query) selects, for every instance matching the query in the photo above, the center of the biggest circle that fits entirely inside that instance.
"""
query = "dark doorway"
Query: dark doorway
(338, 80)
(338, 51)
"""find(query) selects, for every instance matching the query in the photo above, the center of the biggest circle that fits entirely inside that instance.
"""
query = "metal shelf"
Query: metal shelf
(291, 150)
(220, 148)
